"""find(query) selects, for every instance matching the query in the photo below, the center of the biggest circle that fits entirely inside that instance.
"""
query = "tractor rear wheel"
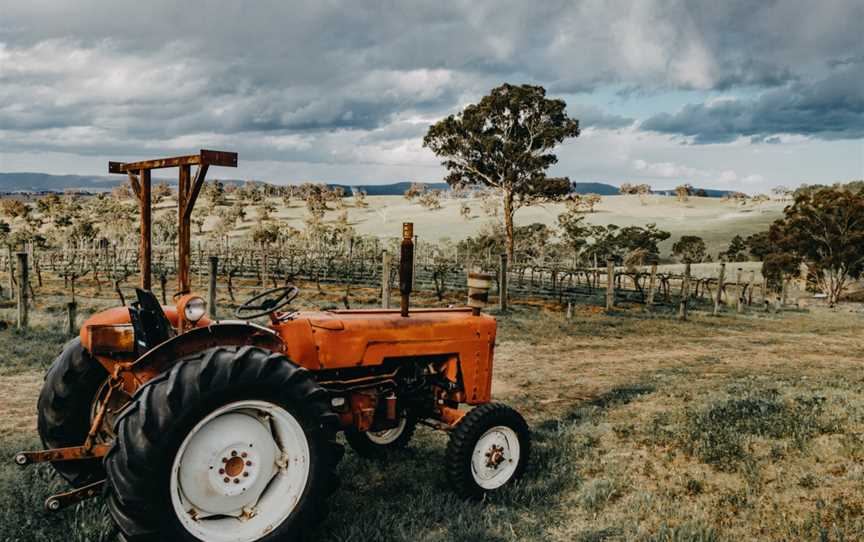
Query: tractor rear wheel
(377, 444)
(233, 443)
(65, 408)
(488, 450)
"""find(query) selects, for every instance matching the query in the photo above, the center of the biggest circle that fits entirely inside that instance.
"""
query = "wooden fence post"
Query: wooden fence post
(719, 299)
(385, 280)
(750, 287)
(71, 327)
(610, 284)
(652, 285)
(502, 284)
(11, 273)
(22, 290)
(685, 293)
(214, 268)
(740, 291)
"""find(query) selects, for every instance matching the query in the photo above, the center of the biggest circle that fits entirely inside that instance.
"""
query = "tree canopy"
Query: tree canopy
(505, 142)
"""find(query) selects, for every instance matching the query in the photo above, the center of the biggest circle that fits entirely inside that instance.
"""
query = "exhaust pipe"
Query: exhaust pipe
(406, 265)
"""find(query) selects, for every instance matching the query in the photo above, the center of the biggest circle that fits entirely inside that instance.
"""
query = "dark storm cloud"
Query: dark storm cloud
(832, 108)
(94, 75)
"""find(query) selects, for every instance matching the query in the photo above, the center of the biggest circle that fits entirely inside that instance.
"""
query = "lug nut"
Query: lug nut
(221, 471)
(236, 480)
(226, 479)
(245, 474)
(248, 463)
(243, 454)
(233, 453)
(224, 460)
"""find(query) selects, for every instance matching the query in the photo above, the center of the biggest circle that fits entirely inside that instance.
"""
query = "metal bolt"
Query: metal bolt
(236, 480)
(226, 479)
(243, 454)
(221, 471)
(233, 453)
(224, 460)
(248, 463)
(21, 459)
(245, 474)
(54, 504)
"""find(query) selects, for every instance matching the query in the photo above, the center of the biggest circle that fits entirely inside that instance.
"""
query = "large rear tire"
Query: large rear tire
(179, 440)
(64, 409)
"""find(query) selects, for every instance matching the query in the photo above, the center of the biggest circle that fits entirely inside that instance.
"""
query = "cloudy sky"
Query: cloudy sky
(735, 94)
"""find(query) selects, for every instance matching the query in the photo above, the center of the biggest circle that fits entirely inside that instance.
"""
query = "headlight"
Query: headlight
(195, 309)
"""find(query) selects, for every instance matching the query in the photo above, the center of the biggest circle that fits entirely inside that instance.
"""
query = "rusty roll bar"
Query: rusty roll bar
(406, 265)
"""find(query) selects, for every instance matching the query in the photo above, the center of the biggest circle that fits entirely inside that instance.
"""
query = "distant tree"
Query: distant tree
(736, 251)
(359, 197)
(430, 199)
(14, 208)
(626, 189)
(782, 192)
(736, 197)
(689, 248)
(683, 192)
(215, 191)
(505, 142)
(643, 191)
(465, 211)
(759, 199)
(760, 245)
(414, 191)
(122, 191)
(160, 192)
(701, 193)
(592, 200)
(574, 232)
(825, 229)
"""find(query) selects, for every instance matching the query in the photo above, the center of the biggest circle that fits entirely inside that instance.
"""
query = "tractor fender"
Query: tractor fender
(224, 333)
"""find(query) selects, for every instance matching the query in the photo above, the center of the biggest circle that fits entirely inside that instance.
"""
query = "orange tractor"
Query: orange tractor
(197, 429)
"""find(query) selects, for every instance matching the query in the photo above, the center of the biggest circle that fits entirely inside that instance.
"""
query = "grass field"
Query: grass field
(713, 219)
(645, 428)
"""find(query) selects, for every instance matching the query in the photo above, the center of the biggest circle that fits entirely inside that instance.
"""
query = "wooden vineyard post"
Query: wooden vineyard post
(70, 326)
(385, 280)
(719, 299)
(652, 285)
(750, 287)
(22, 290)
(502, 284)
(740, 291)
(11, 263)
(685, 293)
(610, 284)
(144, 255)
(211, 291)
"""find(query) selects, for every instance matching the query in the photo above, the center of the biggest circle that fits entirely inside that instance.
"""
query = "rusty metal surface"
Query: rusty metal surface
(164, 356)
(72, 453)
(60, 501)
(110, 339)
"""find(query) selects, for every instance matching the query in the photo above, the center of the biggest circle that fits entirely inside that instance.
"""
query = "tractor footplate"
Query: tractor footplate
(64, 500)
(61, 454)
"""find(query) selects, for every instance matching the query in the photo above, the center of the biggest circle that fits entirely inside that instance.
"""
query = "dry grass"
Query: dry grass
(646, 428)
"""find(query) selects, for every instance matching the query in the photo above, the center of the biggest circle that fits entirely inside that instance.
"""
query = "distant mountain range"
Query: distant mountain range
(44, 182)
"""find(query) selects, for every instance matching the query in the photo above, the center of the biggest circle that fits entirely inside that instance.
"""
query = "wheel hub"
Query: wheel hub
(496, 457)
(231, 479)
(227, 464)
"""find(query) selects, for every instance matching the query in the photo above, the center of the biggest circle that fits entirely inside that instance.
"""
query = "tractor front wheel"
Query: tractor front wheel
(488, 450)
(377, 444)
(232, 444)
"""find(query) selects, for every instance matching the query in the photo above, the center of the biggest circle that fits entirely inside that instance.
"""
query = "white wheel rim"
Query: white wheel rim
(495, 457)
(387, 436)
(262, 452)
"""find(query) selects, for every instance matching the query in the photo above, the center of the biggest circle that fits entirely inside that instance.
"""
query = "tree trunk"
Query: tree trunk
(508, 223)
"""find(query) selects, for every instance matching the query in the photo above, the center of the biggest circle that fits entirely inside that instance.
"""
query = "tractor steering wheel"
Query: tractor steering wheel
(264, 304)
